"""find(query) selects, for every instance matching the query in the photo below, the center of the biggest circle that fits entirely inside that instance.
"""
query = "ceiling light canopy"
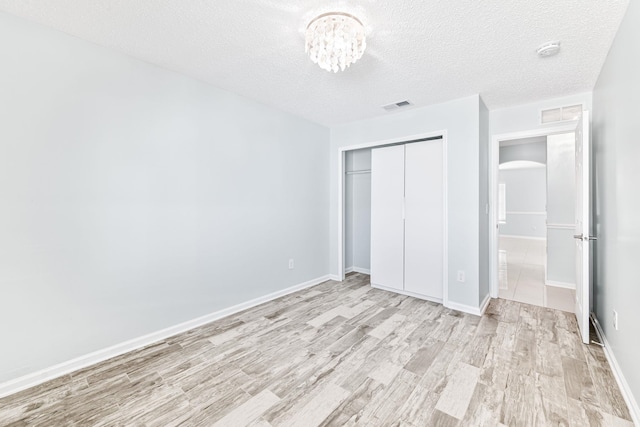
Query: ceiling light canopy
(335, 40)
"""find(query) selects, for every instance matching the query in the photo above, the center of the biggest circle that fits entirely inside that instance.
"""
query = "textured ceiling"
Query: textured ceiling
(424, 51)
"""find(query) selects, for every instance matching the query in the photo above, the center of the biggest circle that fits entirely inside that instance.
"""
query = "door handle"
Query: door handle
(583, 237)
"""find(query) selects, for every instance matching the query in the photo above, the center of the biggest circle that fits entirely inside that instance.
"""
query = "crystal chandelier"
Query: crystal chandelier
(335, 40)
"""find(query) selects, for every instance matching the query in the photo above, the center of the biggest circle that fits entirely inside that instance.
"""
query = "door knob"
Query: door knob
(583, 237)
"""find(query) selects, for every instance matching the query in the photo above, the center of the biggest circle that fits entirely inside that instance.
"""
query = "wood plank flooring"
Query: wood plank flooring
(342, 353)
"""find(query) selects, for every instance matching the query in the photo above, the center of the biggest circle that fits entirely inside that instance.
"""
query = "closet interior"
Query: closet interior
(357, 211)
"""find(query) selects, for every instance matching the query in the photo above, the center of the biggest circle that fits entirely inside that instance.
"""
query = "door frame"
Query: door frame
(341, 201)
(494, 164)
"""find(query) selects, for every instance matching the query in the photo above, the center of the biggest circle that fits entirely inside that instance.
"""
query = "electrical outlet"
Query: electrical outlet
(291, 264)
(461, 276)
(615, 319)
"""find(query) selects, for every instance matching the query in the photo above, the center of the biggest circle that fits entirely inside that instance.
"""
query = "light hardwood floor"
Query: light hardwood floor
(341, 353)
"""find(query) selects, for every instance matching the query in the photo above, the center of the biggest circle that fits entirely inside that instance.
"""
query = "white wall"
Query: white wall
(561, 199)
(616, 152)
(357, 209)
(134, 198)
(561, 166)
(526, 200)
(527, 116)
(484, 203)
(460, 118)
(534, 152)
(526, 216)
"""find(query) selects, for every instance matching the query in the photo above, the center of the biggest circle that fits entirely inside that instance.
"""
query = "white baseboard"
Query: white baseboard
(512, 236)
(335, 277)
(631, 402)
(485, 304)
(407, 293)
(563, 285)
(357, 270)
(64, 368)
(476, 311)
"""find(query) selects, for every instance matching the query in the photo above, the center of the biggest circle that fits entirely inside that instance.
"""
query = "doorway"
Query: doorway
(536, 189)
(532, 246)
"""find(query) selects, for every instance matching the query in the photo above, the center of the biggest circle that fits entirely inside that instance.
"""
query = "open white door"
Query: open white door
(582, 229)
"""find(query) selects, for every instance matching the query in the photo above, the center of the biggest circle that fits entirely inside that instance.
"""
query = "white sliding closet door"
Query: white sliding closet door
(424, 218)
(387, 222)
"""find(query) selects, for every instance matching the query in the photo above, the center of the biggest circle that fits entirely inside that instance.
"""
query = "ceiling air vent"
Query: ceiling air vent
(561, 114)
(396, 105)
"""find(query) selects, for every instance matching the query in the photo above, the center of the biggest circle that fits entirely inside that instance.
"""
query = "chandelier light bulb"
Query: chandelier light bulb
(335, 40)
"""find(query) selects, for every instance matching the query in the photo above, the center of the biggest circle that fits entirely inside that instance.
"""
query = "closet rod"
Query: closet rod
(358, 172)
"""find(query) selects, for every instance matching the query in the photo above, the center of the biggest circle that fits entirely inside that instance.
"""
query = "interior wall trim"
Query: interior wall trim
(464, 308)
(485, 304)
(561, 226)
(357, 270)
(542, 213)
(407, 293)
(630, 400)
(522, 237)
(564, 285)
(476, 311)
(64, 368)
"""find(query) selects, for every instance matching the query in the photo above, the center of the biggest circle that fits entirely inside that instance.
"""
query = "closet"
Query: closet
(357, 211)
(408, 219)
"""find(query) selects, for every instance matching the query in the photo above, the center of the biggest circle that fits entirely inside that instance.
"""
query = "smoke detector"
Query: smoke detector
(548, 49)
